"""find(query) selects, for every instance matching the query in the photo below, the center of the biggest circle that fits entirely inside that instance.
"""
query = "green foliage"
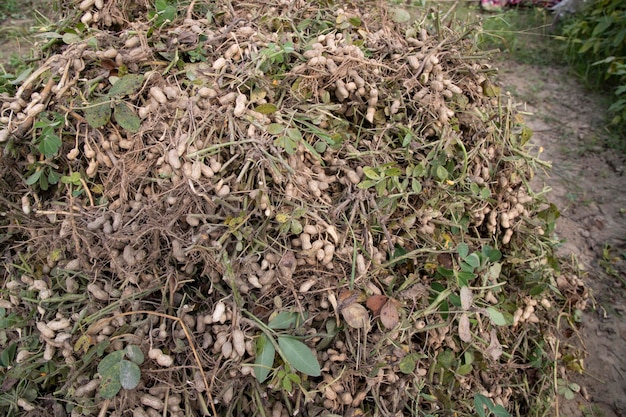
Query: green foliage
(46, 140)
(481, 402)
(292, 351)
(98, 112)
(567, 389)
(43, 176)
(165, 12)
(274, 58)
(524, 34)
(596, 45)
(117, 372)
(8, 8)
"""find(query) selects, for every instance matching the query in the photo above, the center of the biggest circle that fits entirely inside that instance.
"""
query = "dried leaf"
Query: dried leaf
(356, 316)
(445, 260)
(389, 316)
(375, 303)
(495, 348)
(464, 328)
(467, 298)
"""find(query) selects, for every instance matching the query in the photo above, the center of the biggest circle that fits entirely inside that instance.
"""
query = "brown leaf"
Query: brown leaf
(464, 328)
(467, 298)
(356, 316)
(347, 297)
(376, 303)
(495, 348)
(389, 316)
(445, 260)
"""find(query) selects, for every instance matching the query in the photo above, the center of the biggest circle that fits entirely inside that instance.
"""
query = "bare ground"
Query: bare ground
(587, 182)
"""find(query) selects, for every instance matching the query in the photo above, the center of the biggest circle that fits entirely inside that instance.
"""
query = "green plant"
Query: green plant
(98, 112)
(567, 389)
(273, 58)
(8, 8)
(43, 175)
(165, 12)
(295, 354)
(596, 46)
(384, 178)
(117, 372)
(481, 403)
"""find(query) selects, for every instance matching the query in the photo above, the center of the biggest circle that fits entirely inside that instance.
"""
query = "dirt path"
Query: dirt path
(588, 187)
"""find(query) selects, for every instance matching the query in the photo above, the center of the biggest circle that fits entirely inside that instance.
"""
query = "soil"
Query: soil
(587, 182)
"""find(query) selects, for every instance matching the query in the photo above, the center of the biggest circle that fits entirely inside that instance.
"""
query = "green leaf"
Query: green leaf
(34, 177)
(464, 369)
(70, 38)
(500, 411)
(135, 354)
(53, 176)
(284, 320)
(264, 358)
(275, 129)
(110, 383)
(7, 355)
(492, 254)
(441, 172)
(126, 118)
(73, 178)
(445, 359)
(408, 363)
(98, 113)
(416, 186)
(496, 317)
(294, 134)
(127, 85)
(109, 361)
(372, 173)
(299, 356)
(130, 374)
(49, 144)
(266, 108)
(472, 260)
(286, 143)
(365, 184)
(462, 250)
(480, 403)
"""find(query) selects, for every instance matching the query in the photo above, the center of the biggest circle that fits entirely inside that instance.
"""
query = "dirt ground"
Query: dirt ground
(587, 182)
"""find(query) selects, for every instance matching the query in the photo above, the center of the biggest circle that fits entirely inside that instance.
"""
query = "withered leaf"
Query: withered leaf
(495, 348)
(445, 260)
(464, 328)
(356, 316)
(389, 315)
(467, 298)
(376, 303)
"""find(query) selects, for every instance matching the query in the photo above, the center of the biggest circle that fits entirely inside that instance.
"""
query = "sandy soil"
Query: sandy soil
(587, 182)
